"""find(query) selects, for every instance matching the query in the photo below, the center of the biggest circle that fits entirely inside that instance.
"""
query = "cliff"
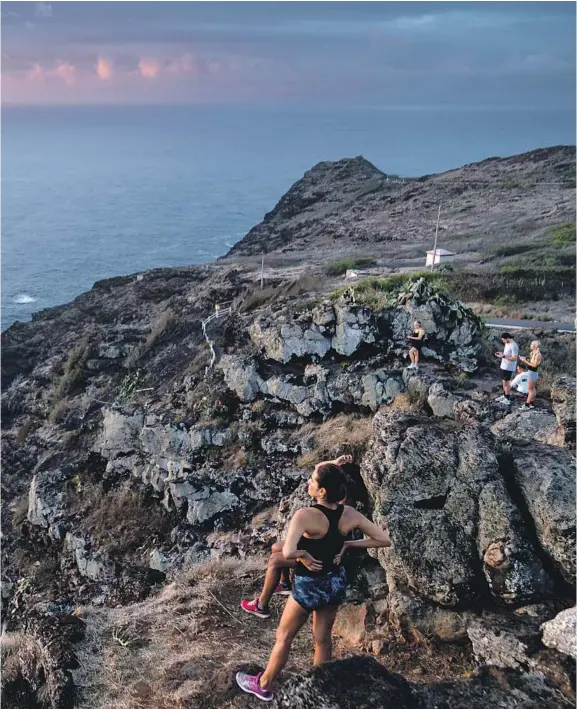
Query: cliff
(350, 205)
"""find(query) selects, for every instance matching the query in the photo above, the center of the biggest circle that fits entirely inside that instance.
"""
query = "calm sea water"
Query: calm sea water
(89, 193)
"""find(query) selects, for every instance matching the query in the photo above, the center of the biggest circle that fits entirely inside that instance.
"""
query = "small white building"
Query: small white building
(439, 256)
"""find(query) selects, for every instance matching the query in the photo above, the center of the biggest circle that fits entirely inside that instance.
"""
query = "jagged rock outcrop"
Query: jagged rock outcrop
(445, 494)
(362, 683)
(545, 476)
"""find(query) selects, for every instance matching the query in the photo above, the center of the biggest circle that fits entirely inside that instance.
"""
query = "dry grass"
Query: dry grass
(19, 510)
(115, 520)
(23, 431)
(58, 411)
(163, 323)
(181, 648)
(341, 434)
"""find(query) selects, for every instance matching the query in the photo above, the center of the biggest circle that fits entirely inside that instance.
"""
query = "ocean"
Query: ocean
(94, 192)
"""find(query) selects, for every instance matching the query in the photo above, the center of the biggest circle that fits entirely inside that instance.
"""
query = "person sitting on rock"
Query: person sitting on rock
(520, 383)
(416, 338)
(277, 579)
(508, 358)
(533, 363)
(316, 542)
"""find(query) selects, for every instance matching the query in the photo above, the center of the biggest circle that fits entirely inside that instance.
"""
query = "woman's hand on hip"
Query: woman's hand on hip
(310, 562)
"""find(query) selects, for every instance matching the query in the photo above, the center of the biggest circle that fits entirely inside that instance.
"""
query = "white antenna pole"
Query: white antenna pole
(436, 237)
(262, 273)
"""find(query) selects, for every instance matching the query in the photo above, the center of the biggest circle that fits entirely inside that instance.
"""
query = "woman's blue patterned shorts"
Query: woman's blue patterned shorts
(313, 592)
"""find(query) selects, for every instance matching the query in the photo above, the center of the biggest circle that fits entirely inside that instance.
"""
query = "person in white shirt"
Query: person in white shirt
(521, 381)
(508, 357)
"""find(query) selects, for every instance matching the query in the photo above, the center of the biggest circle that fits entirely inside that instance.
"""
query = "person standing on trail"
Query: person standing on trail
(416, 338)
(533, 363)
(316, 542)
(508, 357)
(277, 578)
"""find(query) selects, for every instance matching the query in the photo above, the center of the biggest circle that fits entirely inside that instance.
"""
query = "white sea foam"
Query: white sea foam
(23, 298)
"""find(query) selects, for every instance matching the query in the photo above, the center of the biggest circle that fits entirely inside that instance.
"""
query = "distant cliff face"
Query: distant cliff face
(350, 204)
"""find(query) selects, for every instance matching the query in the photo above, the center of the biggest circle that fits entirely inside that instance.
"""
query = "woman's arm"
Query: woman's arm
(377, 537)
(297, 527)
(341, 460)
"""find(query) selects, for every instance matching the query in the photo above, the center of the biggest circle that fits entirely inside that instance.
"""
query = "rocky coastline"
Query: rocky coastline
(144, 480)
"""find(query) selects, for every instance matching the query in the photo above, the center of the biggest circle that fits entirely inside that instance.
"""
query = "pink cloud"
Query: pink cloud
(66, 72)
(183, 65)
(104, 68)
(37, 73)
(149, 68)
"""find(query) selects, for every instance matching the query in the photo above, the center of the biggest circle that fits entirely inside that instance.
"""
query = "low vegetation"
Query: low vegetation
(514, 284)
(563, 234)
(115, 519)
(345, 433)
(338, 268)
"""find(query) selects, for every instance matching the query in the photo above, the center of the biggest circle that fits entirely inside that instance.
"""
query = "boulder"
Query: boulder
(362, 683)
(523, 427)
(47, 497)
(560, 633)
(456, 534)
(504, 641)
(545, 476)
(441, 401)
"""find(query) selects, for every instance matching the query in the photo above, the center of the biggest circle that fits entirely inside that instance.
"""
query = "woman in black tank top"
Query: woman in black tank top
(316, 541)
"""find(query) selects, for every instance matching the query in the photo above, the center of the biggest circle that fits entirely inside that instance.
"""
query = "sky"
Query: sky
(386, 54)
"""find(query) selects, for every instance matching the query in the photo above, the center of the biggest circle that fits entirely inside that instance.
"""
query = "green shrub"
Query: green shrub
(563, 234)
(512, 249)
(338, 268)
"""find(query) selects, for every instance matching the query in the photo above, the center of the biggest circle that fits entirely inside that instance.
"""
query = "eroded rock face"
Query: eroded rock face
(560, 633)
(563, 395)
(545, 475)
(456, 533)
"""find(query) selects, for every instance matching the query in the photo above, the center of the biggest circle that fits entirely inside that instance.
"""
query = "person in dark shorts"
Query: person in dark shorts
(508, 366)
(416, 338)
(316, 542)
(277, 579)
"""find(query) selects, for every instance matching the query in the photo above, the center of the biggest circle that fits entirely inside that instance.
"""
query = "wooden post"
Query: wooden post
(436, 237)
(262, 273)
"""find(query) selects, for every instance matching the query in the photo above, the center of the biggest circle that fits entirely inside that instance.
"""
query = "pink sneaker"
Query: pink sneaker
(251, 685)
(282, 590)
(254, 608)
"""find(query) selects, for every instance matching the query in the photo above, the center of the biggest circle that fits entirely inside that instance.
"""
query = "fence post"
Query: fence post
(436, 237)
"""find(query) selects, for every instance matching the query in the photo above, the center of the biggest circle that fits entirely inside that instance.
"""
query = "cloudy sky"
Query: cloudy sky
(425, 54)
